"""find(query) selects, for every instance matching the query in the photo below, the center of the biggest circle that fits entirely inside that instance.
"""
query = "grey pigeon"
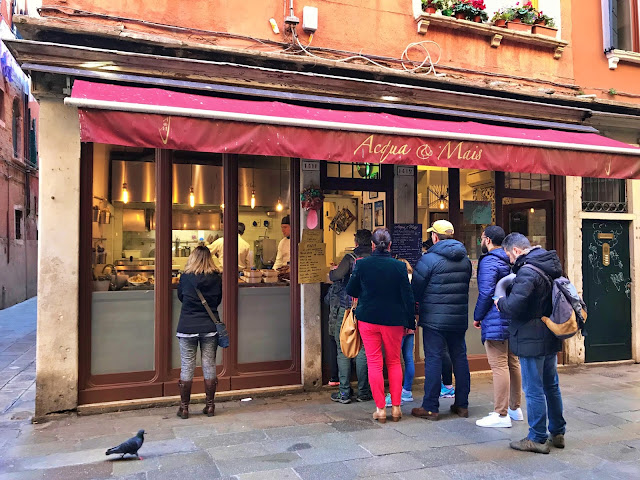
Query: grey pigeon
(131, 446)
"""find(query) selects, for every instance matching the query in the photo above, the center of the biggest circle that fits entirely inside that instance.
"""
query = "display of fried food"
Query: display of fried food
(138, 279)
(175, 280)
(152, 281)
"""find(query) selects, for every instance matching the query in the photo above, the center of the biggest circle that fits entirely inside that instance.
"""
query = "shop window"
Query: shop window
(604, 195)
(527, 181)
(264, 259)
(197, 219)
(18, 215)
(360, 171)
(123, 261)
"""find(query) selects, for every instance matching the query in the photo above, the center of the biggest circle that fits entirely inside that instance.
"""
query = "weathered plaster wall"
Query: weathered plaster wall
(633, 190)
(311, 334)
(57, 345)
(591, 67)
(375, 27)
(574, 352)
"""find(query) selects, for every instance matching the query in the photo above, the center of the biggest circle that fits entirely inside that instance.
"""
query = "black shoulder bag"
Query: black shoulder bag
(221, 328)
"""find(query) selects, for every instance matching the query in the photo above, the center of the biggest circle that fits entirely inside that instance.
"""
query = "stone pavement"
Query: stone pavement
(18, 361)
(306, 436)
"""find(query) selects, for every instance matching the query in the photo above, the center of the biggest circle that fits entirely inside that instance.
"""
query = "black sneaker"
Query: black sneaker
(527, 445)
(340, 398)
(364, 398)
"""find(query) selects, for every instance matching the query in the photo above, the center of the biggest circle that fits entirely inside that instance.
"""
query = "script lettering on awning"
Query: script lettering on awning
(389, 150)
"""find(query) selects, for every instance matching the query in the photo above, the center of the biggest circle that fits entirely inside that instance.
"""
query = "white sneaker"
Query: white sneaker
(494, 420)
(516, 414)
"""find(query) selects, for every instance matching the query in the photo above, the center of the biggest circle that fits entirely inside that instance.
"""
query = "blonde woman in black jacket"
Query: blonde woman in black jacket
(196, 327)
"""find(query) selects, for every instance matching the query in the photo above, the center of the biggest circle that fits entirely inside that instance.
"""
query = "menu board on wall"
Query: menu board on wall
(407, 241)
(312, 264)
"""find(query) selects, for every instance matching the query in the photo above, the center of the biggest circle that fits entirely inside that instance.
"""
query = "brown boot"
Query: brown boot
(185, 398)
(210, 389)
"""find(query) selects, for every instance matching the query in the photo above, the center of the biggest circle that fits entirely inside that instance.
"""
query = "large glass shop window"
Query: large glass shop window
(478, 206)
(197, 219)
(263, 263)
(123, 260)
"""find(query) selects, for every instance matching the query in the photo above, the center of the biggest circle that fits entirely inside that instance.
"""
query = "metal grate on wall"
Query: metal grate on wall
(604, 195)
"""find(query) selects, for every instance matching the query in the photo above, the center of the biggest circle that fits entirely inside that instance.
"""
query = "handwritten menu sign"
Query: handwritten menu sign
(311, 236)
(312, 263)
(407, 241)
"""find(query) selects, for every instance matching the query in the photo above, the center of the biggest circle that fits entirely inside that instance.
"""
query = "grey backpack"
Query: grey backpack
(568, 310)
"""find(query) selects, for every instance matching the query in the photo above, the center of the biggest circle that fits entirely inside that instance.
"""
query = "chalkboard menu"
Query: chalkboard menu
(407, 241)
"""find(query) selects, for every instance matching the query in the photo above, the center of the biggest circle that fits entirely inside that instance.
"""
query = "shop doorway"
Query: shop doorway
(607, 290)
(533, 219)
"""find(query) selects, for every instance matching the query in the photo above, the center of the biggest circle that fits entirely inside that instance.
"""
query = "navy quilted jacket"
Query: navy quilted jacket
(491, 267)
(441, 286)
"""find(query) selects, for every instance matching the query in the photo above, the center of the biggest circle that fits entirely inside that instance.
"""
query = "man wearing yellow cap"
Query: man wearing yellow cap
(441, 288)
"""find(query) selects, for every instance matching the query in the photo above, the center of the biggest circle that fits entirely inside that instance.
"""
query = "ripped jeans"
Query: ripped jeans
(188, 349)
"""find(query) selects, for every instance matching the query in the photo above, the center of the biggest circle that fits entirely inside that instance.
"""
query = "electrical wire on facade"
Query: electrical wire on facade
(404, 58)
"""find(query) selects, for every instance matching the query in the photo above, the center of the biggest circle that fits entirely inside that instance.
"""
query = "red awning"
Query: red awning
(151, 117)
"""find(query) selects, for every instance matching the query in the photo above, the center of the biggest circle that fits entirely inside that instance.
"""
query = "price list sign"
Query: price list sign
(407, 241)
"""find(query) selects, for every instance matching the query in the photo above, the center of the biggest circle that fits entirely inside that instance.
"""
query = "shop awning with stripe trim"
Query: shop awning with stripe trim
(157, 118)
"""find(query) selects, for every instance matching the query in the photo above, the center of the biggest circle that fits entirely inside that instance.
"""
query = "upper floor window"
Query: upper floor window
(620, 25)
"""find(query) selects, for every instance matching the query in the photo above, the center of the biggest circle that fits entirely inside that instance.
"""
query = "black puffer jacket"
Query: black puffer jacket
(193, 316)
(528, 300)
(441, 286)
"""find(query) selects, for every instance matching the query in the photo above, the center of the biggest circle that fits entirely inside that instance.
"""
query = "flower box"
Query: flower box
(544, 30)
(519, 26)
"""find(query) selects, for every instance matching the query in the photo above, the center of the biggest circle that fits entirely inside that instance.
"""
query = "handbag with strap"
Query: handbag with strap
(221, 328)
(350, 341)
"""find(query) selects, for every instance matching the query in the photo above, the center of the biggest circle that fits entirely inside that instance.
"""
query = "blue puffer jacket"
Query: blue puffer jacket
(441, 286)
(491, 267)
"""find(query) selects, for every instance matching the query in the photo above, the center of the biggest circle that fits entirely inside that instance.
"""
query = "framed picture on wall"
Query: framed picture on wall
(373, 195)
(367, 216)
(378, 212)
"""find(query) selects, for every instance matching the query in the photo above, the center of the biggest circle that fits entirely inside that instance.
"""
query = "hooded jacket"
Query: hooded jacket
(491, 267)
(441, 286)
(193, 316)
(528, 300)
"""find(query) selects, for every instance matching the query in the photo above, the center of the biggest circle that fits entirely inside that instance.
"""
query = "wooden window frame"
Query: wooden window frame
(162, 381)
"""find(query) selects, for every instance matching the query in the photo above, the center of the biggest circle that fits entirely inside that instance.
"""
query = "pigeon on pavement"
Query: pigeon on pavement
(131, 446)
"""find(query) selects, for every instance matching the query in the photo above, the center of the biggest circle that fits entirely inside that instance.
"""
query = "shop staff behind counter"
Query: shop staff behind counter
(245, 257)
(284, 247)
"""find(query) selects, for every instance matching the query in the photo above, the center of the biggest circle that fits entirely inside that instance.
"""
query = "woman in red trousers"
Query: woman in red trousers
(385, 308)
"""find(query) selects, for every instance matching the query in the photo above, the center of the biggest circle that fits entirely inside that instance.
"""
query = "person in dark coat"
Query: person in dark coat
(529, 338)
(195, 326)
(385, 308)
(340, 277)
(441, 287)
(505, 366)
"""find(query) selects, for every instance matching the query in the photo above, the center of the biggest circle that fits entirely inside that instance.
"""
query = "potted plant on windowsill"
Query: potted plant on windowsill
(432, 6)
(545, 25)
(502, 16)
(523, 17)
(473, 10)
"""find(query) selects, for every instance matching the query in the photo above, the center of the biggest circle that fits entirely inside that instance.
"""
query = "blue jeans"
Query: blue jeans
(407, 356)
(344, 366)
(434, 342)
(542, 391)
